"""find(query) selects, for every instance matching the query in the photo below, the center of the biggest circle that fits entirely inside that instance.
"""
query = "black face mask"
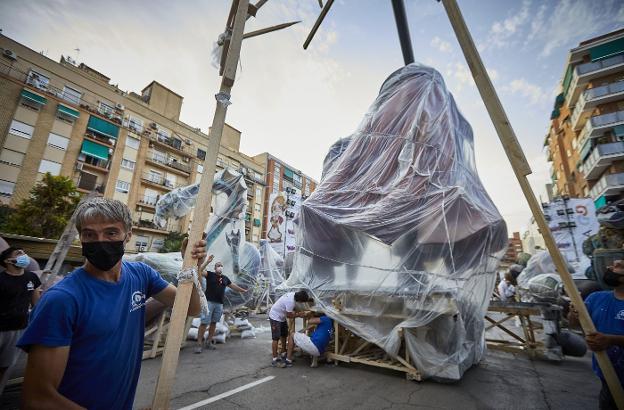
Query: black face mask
(611, 278)
(103, 255)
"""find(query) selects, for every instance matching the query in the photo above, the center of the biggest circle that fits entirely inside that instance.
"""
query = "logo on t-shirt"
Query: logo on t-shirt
(620, 315)
(30, 285)
(138, 300)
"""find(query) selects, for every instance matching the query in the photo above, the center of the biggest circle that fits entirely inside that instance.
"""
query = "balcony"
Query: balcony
(148, 225)
(593, 97)
(99, 139)
(609, 184)
(600, 158)
(599, 124)
(148, 201)
(161, 159)
(583, 73)
(93, 163)
(158, 181)
(88, 182)
(167, 142)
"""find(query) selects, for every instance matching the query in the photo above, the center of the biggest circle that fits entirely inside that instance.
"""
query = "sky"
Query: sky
(295, 103)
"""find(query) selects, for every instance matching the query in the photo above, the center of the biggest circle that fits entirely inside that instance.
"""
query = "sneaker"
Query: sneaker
(288, 363)
(283, 356)
(276, 362)
(198, 349)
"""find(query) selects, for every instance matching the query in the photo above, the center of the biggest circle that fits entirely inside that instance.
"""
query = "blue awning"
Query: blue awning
(103, 127)
(94, 150)
(63, 109)
(34, 97)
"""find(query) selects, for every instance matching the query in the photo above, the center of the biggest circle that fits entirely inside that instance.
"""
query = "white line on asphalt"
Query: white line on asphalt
(227, 393)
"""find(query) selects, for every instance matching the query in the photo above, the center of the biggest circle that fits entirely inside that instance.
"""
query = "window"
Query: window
(135, 124)
(141, 243)
(200, 169)
(257, 207)
(6, 188)
(162, 134)
(254, 238)
(132, 142)
(154, 176)
(21, 130)
(157, 244)
(258, 194)
(201, 154)
(106, 109)
(57, 141)
(52, 167)
(127, 164)
(170, 181)
(258, 176)
(38, 80)
(71, 95)
(122, 186)
(11, 157)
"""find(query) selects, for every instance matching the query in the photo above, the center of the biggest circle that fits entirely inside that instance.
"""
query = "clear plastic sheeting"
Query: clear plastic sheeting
(400, 233)
(225, 231)
(534, 289)
(270, 275)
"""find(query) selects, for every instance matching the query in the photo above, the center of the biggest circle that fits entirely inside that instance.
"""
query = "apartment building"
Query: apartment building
(585, 142)
(281, 177)
(67, 119)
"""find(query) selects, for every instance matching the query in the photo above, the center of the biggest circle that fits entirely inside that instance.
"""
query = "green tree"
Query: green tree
(48, 209)
(5, 215)
(173, 242)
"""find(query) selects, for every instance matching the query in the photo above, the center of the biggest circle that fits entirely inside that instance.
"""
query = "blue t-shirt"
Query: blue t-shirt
(323, 333)
(607, 313)
(104, 324)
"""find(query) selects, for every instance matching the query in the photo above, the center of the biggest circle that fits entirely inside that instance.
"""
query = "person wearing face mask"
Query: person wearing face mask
(216, 282)
(85, 338)
(606, 309)
(19, 290)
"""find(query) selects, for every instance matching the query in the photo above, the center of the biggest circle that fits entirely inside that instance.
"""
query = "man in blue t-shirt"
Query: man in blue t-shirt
(85, 337)
(606, 309)
(316, 344)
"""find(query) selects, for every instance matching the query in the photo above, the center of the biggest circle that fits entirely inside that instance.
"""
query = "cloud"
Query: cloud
(443, 46)
(573, 21)
(524, 88)
(502, 32)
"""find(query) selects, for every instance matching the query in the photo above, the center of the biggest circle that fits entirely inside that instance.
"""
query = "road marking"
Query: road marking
(227, 393)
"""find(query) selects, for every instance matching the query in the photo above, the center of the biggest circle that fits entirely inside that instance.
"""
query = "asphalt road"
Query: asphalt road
(501, 381)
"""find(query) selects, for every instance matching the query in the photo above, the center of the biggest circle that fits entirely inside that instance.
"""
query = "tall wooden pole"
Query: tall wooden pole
(522, 169)
(400, 17)
(176, 334)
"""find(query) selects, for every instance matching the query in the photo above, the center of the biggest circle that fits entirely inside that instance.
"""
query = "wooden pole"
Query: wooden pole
(269, 29)
(522, 169)
(176, 334)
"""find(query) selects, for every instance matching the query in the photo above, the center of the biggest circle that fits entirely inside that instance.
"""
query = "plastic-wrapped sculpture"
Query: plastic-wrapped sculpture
(224, 233)
(401, 231)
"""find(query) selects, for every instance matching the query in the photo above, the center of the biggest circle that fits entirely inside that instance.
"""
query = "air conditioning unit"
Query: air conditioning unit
(10, 54)
(188, 142)
(153, 126)
(79, 166)
(120, 107)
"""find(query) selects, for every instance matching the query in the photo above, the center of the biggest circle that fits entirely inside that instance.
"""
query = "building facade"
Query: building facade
(68, 120)
(585, 143)
(281, 177)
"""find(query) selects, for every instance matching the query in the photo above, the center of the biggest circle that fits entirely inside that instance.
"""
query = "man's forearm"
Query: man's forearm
(51, 399)
(194, 305)
(617, 340)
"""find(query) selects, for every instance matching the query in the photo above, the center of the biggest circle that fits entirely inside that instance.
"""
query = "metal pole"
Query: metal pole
(403, 28)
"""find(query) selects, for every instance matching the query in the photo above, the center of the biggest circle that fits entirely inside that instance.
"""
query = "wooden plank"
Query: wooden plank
(522, 169)
(269, 29)
(515, 311)
(176, 334)
(496, 323)
(161, 325)
(509, 332)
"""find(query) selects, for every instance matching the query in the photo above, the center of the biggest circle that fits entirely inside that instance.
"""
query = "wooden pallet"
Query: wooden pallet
(347, 347)
(521, 343)
(156, 335)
